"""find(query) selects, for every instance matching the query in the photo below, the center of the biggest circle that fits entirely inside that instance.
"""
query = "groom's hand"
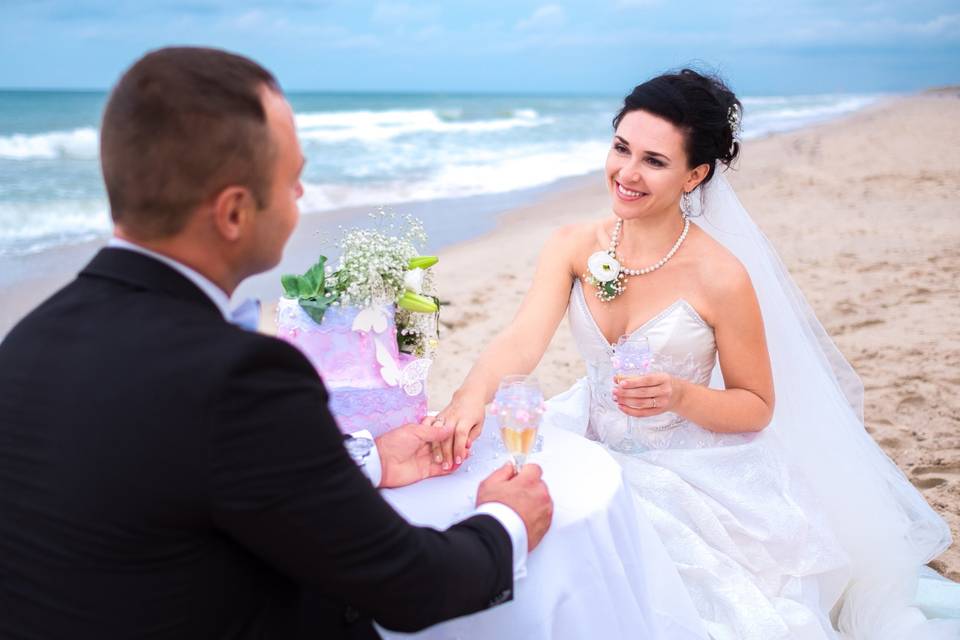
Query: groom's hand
(525, 493)
(406, 455)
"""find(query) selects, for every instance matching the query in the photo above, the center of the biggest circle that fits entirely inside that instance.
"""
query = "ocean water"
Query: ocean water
(361, 149)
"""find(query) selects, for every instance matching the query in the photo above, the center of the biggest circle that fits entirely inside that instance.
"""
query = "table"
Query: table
(600, 572)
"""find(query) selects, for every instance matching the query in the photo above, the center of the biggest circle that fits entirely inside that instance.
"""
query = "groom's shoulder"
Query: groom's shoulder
(252, 346)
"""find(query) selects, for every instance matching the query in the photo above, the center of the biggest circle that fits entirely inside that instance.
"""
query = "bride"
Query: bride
(747, 449)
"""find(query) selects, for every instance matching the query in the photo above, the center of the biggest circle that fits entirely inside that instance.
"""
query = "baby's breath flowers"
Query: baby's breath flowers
(373, 263)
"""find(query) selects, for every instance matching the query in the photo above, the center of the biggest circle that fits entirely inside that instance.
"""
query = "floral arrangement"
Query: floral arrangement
(603, 272)
(377, 267)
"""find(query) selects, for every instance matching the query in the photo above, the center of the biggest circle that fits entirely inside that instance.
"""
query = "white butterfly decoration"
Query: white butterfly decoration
(371, 319)
(410, 378)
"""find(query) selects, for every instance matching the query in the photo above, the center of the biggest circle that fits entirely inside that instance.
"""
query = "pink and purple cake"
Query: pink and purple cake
(372, 384)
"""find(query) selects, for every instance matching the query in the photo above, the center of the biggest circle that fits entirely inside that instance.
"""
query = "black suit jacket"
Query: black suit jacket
(165, 474)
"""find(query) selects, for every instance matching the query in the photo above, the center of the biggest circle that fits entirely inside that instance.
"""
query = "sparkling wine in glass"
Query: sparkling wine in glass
(631, 359)
(518, 408)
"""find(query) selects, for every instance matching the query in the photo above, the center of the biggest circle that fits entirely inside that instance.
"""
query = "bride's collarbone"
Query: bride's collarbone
(638, 305)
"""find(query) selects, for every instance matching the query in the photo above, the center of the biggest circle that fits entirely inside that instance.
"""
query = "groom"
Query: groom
(164, 473)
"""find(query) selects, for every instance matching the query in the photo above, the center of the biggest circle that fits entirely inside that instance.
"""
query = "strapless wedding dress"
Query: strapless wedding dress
(758, 560)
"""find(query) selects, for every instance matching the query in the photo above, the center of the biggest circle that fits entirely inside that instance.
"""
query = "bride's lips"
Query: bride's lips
(627, 195)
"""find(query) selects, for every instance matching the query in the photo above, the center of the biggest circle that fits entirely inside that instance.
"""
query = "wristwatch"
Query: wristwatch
(359, 448)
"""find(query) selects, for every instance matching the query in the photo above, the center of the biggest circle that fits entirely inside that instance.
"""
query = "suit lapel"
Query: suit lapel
(144, 272)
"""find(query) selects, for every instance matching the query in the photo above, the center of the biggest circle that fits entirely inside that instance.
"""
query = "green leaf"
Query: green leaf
(291, 285)
(315, 308)
(309, 285)
(313, 279)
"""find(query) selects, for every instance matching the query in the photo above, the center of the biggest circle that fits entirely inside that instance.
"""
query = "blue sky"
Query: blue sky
(600, 46)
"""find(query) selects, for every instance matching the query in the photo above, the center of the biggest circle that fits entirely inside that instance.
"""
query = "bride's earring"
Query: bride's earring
(686, 204)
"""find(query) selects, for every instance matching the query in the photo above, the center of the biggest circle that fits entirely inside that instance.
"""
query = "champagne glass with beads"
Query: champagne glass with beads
(518, 408)
(630, 359)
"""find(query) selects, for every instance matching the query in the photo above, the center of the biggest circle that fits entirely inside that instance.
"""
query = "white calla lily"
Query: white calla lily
(413, 280)
(603, 267)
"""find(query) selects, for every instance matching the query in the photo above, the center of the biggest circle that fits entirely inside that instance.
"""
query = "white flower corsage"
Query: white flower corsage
(604, 274)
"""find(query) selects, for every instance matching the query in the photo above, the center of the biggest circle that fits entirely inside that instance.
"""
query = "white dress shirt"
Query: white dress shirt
(506, 516)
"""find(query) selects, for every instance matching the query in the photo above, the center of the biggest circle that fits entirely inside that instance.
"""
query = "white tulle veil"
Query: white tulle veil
(883, 523)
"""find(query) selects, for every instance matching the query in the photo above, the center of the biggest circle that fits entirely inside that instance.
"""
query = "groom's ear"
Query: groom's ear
(233, 210)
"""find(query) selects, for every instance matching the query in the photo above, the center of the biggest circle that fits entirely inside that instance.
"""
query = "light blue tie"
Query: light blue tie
(247, 314)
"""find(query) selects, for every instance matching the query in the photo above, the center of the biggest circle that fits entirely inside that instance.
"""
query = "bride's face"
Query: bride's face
(646, 166)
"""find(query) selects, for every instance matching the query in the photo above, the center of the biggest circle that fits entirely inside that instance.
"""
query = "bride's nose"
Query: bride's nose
(629, 178)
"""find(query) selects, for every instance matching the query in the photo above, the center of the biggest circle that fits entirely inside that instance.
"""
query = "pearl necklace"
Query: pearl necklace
(615, 240)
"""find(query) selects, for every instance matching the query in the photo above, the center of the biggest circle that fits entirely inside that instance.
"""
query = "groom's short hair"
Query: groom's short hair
(182, 124)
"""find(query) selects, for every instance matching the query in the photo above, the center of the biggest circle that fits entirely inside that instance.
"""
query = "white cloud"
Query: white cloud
(548, 16)
(947, 25)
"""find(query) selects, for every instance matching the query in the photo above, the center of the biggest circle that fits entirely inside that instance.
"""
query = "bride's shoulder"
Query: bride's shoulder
(721, 274)
(579, 236)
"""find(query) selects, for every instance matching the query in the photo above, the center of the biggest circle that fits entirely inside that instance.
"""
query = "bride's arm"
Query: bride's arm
(519, 347)
(746, 404)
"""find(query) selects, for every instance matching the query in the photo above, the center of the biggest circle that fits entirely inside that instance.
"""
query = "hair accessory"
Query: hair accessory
(734, 119)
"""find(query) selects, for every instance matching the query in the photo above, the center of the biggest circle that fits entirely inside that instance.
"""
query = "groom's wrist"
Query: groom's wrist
(372, 463)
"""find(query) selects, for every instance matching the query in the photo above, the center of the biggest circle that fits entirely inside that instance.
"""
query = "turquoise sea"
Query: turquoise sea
(363, 149)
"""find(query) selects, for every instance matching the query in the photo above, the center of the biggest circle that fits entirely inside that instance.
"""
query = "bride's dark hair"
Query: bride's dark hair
(701, 106)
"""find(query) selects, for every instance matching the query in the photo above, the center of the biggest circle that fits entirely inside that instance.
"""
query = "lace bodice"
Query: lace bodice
(683, 346)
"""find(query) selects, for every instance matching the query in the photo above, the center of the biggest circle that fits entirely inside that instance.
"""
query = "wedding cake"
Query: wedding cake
(367, 328)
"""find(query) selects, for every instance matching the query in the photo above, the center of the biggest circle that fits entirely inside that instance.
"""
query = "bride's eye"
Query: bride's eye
(619, 148)
(655, 162)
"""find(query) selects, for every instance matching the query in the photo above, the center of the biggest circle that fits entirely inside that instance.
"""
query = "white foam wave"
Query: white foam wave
(478, 175)
(340, 126)
(28, 227)
(76, 144)
(794, 113)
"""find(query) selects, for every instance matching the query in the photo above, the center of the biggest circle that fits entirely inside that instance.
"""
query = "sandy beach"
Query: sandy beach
(863, 211)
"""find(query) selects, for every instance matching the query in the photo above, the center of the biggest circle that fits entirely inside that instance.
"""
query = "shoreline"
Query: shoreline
(28, 279)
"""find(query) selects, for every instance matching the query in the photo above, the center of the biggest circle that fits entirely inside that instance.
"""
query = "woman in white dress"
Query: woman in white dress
(782, 516)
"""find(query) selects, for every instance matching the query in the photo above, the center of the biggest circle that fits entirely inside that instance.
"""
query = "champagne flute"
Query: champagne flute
(630, 359)
(518, 408)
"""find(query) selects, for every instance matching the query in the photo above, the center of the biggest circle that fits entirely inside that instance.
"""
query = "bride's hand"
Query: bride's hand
(465, 414)
(648, 395)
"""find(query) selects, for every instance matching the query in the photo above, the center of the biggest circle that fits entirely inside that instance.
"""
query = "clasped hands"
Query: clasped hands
(641, 397)
(407, 456)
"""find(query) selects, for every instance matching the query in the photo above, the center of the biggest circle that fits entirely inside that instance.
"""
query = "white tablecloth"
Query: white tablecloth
(600, 572)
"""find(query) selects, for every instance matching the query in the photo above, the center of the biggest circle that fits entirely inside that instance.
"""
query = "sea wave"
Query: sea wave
(29, 227)
(480, 174)
(340, 126)
(773, 114)
(76, 144)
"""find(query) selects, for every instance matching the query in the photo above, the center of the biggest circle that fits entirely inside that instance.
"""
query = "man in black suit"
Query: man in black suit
(164, 473)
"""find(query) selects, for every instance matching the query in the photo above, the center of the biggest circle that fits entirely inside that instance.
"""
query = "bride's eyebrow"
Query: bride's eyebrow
(656, 154)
